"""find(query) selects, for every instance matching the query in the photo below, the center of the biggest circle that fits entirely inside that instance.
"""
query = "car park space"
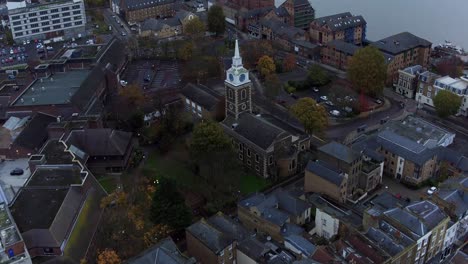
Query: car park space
(11, 183)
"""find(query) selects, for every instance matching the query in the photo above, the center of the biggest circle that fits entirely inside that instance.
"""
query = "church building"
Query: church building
(263, 143)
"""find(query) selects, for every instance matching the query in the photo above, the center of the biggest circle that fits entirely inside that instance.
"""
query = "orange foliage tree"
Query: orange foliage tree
(108, 256)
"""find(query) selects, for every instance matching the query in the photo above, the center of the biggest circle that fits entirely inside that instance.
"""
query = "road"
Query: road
(117, 28)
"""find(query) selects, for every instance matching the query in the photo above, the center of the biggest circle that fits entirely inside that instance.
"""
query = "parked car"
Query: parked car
(123, 34)
(17, 172)
(324, 98)
(315, 89)
(378, 101)
(432, 190)
(335, 113)
(330, 103)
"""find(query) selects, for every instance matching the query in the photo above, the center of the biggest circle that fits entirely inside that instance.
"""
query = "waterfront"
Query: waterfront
(434, 20)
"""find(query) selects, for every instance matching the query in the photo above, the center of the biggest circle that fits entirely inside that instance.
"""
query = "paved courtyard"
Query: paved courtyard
(397, 188)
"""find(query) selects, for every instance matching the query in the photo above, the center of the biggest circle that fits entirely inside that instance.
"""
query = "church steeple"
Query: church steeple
(237, 74)
(238, 87)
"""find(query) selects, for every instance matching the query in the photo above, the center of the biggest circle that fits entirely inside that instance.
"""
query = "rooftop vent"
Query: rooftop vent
(233, 126)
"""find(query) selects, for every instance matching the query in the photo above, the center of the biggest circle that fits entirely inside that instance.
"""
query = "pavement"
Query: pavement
(11, 184)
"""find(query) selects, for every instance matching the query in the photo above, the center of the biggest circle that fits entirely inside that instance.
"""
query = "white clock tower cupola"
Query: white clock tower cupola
(238, 87)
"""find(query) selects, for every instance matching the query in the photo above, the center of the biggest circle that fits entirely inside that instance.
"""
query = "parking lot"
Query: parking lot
(11, 184)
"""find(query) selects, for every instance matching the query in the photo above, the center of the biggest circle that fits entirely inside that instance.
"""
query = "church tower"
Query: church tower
(238, 87)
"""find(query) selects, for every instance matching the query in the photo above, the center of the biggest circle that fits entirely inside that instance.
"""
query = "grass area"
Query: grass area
(251, 183)
(172, 165)
(109, 183)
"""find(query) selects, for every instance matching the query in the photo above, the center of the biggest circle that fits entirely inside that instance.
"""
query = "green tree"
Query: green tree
(194, 28)
(272, 85)
(266, 65)
(367, 71)
(136, 120)
(208, 138)
(216, 20)
(168, 207)
(447, 103)
(9, 37)
(312, 115)
(318, 76)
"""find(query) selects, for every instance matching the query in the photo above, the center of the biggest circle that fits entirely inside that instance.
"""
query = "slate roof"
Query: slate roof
(213, 238)
(400, 42)
(257, 12)
(141, 4)
(428, 212)
(413, 70)
(151, 24)
(201, 95)
(454, 157)
(368, 146)
(404, 147)
(326, 172)
(282, 29)
(458, 198)
(165, 252)
(34, 135)
(339, 151)
(253, 248)
(86, 92)
(289, 203)
(256, 130)
(384, 242)
(305, 43)
(341, 21)
(302, 244)
(228, 227)
(100, 141)
(408, 220)
(279, 204)
(343, 46)
(44, 216)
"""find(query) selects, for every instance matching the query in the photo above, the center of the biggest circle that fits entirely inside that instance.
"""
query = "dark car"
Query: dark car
(16, 172)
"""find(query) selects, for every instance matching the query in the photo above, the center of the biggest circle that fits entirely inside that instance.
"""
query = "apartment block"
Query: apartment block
(135, 11)
(46, 19)
(407, 50)
(343, 26)
(337, 53)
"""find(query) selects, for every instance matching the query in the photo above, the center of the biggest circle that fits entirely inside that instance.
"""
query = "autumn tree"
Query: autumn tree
(266, 66)
(367, 71)
(272, 85)
(312, 115)
(447, 103)
(289, 62)
(318, 76)
(208, 137)
(168, 206)
(133, 95)
(185, 51)
(452, 66)
(155, 234)
(194, 28)
(216, 20)
(108, 256)
(253, 50)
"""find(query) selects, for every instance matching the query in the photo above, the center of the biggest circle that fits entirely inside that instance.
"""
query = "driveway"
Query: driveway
(397, 188)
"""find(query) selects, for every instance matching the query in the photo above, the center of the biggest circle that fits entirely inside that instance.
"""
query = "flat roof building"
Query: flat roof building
(46, 19)
(56, 89)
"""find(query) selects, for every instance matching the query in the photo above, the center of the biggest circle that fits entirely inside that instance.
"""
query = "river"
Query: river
(434, 20)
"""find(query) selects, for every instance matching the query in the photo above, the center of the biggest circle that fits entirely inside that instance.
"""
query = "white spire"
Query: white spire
(236, 60)
(236, 51)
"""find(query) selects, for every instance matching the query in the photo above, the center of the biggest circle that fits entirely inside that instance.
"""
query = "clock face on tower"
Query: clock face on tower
(231, 77)
(242, 77)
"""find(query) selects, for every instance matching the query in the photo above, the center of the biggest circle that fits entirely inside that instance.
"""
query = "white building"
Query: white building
(46, 20)
(458, 86)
